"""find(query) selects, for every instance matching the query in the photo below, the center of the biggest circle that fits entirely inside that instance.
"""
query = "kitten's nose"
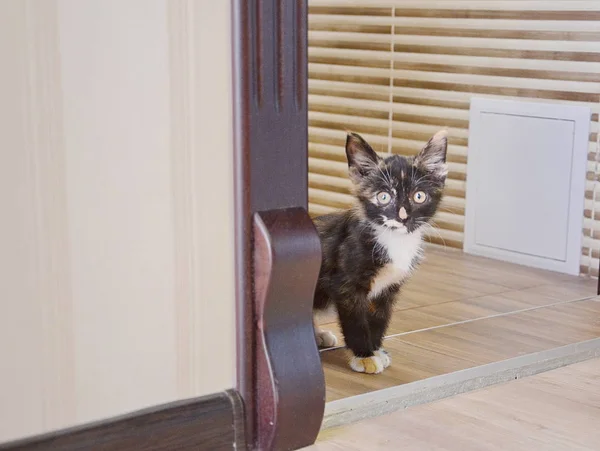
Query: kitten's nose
(402, 214)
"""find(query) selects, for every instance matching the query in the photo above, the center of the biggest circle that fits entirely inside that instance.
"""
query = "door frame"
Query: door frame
(278, 251)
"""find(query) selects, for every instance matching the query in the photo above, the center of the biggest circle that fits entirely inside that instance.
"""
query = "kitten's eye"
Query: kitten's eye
(420, 197)
(384, 198)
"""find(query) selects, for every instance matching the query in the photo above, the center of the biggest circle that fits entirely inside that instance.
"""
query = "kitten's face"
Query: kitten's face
(398, 193)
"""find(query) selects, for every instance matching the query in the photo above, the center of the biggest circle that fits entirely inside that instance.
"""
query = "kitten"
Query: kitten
(370, 250)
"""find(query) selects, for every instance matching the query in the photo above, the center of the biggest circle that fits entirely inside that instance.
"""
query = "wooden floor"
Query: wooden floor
(461, 311)
(557, 410)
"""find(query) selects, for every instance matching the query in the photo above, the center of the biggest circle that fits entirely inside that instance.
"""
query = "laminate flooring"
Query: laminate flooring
(460, 311)
(558, 410)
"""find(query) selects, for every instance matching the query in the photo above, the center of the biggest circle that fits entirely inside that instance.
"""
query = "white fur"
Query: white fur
(394, 224)
(384, 356)
(381, 360)
(326, 315)
(325, 338)
(356, 363)
(402, 248)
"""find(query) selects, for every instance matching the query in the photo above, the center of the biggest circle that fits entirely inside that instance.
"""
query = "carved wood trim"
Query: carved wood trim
(275, 349)
(290, 392)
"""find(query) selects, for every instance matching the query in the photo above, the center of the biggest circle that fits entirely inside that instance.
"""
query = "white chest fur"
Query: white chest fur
(402, 249)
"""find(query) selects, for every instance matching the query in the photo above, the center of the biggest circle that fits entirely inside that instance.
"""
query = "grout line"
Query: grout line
(498, 315)
(471, 298)
(387, 400)
(479, 296)
(468, 298)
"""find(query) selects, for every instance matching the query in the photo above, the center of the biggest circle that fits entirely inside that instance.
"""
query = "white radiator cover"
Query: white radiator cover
(526, 182)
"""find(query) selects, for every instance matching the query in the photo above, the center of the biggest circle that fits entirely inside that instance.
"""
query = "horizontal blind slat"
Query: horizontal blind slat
(498, 5)
(371, 73)
(459, 60)
(458, 23)
(556, 46)
(457, 99)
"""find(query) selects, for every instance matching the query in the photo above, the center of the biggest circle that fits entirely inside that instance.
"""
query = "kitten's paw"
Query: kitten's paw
(370, 365)
(325, 339)
(384, 356)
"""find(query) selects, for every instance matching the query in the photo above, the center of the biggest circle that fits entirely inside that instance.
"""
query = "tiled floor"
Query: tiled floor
(461, 311)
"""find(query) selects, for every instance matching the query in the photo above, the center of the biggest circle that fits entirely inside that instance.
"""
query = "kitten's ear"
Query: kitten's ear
(361, 157)
(432, 157)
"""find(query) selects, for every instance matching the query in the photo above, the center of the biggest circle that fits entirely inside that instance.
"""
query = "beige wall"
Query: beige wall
(116, 243)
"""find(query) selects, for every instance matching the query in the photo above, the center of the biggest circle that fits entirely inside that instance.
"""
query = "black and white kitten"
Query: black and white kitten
(370, 250)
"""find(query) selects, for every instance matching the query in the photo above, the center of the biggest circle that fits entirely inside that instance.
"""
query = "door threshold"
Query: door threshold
(380, 402)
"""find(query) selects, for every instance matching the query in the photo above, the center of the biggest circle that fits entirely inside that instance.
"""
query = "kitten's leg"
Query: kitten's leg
(355, 327)
(325, 338)
(380, 313)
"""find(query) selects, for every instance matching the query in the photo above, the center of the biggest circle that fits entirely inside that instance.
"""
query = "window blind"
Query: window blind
(398, 71)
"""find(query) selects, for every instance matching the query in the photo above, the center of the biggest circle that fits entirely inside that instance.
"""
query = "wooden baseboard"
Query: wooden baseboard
(214, 422)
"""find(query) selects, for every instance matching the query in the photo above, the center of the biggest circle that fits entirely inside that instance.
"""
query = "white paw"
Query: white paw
(384, 356)
(370, 365)
(325, 339)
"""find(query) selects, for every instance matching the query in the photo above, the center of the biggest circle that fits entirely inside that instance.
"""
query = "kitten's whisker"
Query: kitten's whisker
(436, 230)
(385, 179)
(387, 170)
(450, 210)
(364, 225)
(423, 177)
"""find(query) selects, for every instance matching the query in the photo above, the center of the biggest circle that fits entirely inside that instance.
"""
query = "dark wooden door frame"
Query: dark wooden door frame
(278, 252)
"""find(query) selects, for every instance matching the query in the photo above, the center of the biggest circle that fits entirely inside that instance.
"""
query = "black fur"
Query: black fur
(352, 256)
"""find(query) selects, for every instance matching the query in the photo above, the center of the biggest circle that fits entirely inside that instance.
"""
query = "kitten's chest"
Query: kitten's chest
(402, 251)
